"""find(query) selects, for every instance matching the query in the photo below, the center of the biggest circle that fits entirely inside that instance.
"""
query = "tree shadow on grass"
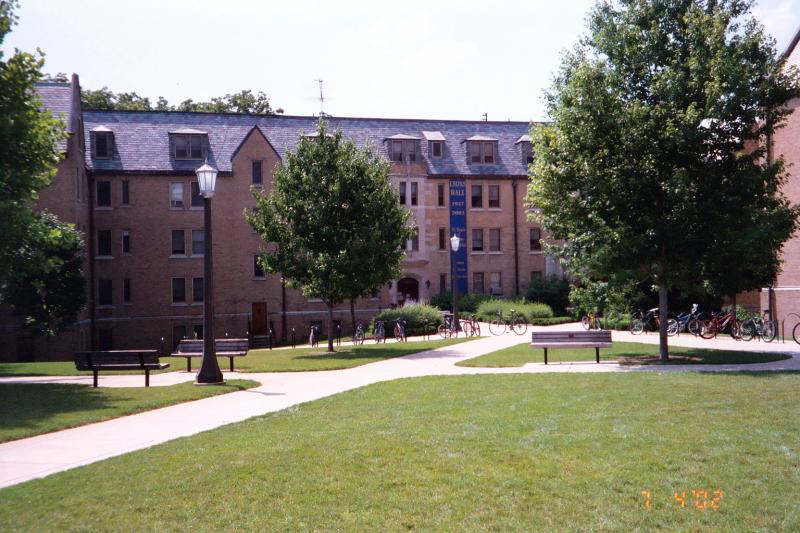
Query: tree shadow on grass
(28, 405)
(700, 356)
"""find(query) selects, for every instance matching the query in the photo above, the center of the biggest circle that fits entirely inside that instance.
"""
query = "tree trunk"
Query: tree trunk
(330, 327)
(353, 315)
(662, 319)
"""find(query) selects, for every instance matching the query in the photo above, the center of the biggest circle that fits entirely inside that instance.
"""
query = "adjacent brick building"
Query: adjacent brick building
(127, 181)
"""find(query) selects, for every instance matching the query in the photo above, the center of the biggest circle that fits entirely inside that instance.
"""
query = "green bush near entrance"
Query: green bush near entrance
(419, 318)
(531, 311)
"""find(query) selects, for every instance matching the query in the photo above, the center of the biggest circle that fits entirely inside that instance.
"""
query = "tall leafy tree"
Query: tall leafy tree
(653, 167)
(40, 258)
(245, 102)
(334, 226)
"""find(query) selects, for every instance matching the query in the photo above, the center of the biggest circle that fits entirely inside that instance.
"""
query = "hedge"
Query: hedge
(552, 321)
(531, 311)
(420, 319)
(467, 303)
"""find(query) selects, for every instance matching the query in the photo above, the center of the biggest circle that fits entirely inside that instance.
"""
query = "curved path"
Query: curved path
(39, 456)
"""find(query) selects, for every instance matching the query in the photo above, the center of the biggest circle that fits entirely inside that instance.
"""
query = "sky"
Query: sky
(411, 59)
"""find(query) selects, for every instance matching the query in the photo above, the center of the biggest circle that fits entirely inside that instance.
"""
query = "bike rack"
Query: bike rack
(783, 325)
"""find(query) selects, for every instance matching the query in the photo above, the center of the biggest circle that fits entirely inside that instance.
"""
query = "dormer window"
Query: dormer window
(403, 148)
(435, 144)
(525, 149)
(102, 142)
(188, 144)
(481, 151)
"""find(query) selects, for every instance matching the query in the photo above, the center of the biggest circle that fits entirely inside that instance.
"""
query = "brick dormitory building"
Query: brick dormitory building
(127, 181)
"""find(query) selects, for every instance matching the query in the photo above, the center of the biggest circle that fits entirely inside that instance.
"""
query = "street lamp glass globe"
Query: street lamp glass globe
(206, 180)
(454, 242)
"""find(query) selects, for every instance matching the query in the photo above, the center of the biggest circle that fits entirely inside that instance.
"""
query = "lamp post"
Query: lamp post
(455, 242)
(209, 373)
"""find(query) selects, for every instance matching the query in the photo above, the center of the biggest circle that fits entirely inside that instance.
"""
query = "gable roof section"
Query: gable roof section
(142, 139)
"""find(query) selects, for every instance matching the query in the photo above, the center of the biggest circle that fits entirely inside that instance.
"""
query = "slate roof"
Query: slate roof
(141, 139)
(57, 97)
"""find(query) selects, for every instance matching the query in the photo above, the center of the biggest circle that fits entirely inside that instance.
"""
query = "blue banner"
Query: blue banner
(458, 225)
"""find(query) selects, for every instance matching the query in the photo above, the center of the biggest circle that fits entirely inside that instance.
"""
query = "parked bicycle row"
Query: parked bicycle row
(705, 325)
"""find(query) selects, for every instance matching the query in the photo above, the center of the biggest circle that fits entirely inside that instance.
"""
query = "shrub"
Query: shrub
(488, 310)
(420, 318)
(552, 321)
(550, 290)
(467, 303)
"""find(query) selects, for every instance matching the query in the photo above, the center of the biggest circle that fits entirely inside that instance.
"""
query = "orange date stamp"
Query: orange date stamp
(697, 499)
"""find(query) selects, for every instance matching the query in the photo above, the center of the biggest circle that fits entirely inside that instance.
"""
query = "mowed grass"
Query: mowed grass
(567, 452)
(277, 360)
(28, 409)
(305, 359)
(624, 352)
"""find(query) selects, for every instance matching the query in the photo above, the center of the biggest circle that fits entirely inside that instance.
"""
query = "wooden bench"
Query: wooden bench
(571, 339)
(229, 348)
(146, 360)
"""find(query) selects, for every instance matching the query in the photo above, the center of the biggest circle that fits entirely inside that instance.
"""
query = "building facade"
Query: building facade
(127, 181)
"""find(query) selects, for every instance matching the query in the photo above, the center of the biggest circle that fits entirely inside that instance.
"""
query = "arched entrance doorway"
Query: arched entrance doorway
(407, 290)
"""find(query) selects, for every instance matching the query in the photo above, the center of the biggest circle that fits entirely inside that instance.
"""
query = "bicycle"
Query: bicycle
(400, 330)
(470, 326)
(380, 332)
(690, 322)
(643, 321)
(448, 329)
(591, 321)
(718, 323)
(760, 326)
(358, 336)
(515, 322)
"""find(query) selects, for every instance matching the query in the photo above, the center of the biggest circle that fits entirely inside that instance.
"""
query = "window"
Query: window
(126, 290)
(442, 238)
(105, 338)
(413, 242)
(197, 331)
(481, 151)
(104, 292)
(477, 240)
(104, 243)
(103, 194)
(527, 152)
(402, 193)
(126, 241)
(477, 282)
(178, 290)
(178, 245)
(494, 240)
(188, 146)
(536, 239)
(258, 270)
(496, 283)
(414, 187)
(536, 274)
(256, 173)
(442, 283)
(477, 196)
(197, 198)
(197, 290)
(102, 144)
(176, 194)
(198, 241)
(436, 149)
(403, 150)
(126, 193)
(494, 196)
(178, 334)
(440, 195)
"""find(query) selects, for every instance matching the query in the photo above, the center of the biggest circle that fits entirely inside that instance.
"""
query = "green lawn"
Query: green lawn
(277, 360)
(303, 359)
(28, 409)
(567, 452)
(625, 352)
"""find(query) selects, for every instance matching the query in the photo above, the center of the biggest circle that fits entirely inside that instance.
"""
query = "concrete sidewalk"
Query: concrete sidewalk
(43, 455)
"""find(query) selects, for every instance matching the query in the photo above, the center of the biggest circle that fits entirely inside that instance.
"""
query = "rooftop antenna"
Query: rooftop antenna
(485, 117)
(321, 99)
